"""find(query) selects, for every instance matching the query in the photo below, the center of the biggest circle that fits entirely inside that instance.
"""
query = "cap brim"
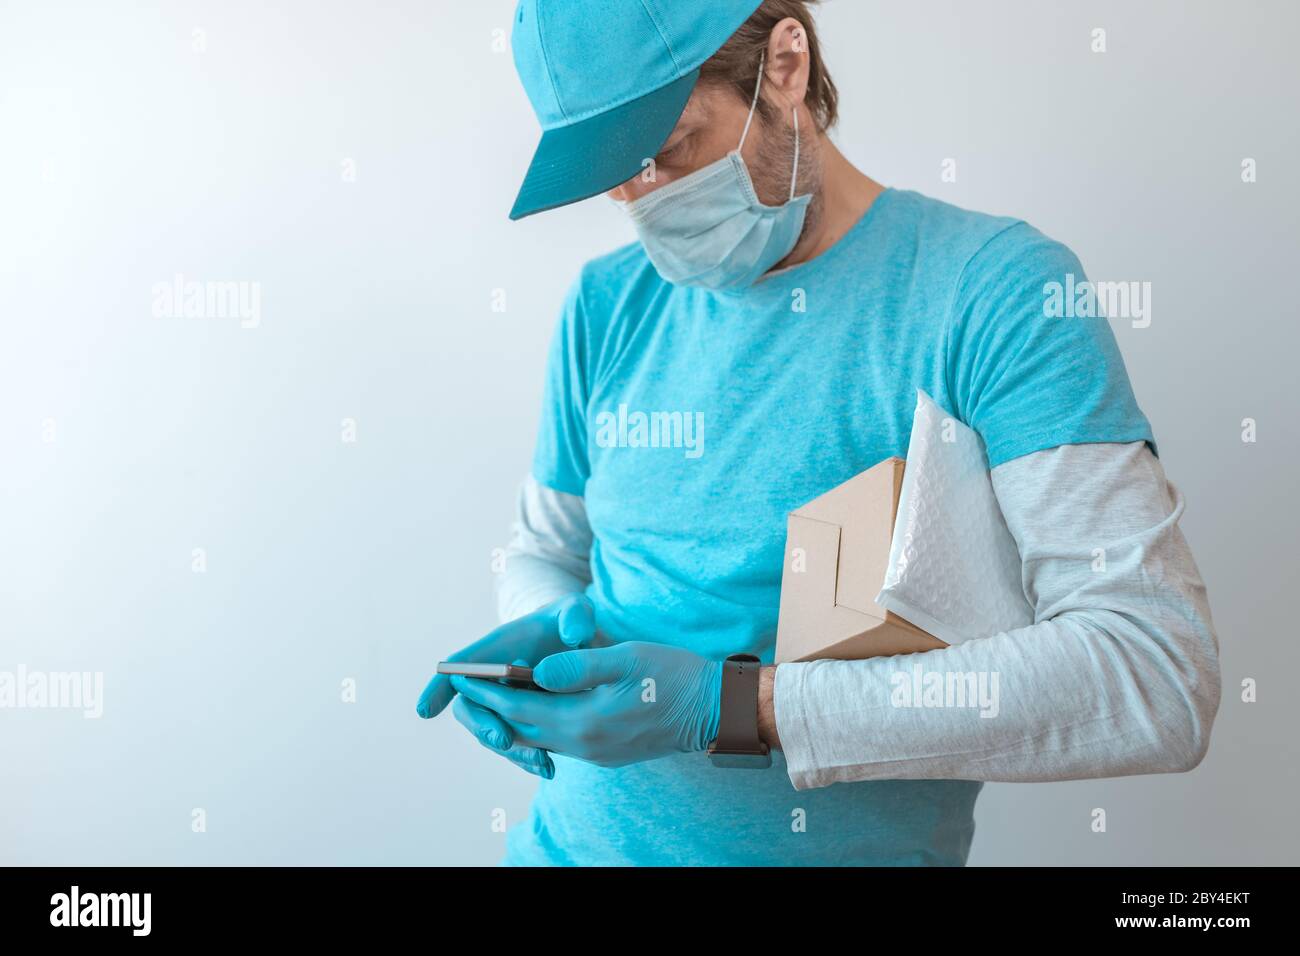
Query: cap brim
(585, 159)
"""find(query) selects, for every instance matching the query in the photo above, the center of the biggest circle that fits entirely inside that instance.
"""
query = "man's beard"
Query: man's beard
(773, 165)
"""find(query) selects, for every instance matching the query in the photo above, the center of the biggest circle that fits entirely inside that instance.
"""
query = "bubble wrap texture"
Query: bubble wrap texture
(954, 568)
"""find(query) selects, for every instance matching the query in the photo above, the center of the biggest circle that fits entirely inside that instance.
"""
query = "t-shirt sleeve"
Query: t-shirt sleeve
(1024, 375)
(560, 460)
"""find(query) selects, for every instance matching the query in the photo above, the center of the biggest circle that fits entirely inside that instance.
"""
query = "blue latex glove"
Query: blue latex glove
(613, 705)
(567, 623)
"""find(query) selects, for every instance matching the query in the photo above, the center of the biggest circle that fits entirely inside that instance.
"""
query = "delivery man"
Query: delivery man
(761, 343)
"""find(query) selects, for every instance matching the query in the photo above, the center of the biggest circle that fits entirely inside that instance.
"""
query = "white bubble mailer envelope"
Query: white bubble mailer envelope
(954, 568)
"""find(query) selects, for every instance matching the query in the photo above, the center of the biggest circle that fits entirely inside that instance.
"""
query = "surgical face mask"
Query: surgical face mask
(710, 229)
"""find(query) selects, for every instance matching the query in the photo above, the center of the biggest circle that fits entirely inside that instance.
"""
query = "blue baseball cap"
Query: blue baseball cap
(608, 80)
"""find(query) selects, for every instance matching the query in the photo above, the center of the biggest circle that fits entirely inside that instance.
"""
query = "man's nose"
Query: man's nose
(633, 189)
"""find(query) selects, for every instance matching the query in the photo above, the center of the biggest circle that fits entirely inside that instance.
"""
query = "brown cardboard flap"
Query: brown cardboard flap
(883, 640)
(865, 535)
(813, 553)
(837, 552)
(808, 611)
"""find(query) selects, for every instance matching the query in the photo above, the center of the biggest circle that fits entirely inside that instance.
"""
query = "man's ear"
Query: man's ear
(788, 62)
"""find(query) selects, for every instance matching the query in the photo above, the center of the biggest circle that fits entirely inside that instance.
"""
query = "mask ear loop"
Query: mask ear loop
(794, 173)
(752, 106)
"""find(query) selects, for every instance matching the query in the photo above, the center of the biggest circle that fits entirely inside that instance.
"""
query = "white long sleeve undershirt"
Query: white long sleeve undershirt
(549, 554)
(1118, 675)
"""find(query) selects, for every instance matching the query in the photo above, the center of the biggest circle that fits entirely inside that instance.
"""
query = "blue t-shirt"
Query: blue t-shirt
(692, 422)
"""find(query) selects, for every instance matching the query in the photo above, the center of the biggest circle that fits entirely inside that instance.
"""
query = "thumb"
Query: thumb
(576, 621)
(571, 671)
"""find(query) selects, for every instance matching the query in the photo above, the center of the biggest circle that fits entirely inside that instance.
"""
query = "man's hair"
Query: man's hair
(736, 64)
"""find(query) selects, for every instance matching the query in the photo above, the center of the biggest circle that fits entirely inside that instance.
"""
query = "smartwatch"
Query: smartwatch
(738, 745)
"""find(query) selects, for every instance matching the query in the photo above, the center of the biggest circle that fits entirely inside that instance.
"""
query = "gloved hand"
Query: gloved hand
(567, 623)
(612, 705)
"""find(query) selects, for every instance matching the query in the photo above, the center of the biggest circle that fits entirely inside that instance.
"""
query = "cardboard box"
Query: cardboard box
(836, 553)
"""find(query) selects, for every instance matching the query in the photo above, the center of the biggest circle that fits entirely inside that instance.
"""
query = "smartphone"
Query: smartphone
(512, 675)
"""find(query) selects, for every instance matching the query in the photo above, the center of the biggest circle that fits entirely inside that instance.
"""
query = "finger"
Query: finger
(537, 762)
(435, 696)
(495, 734)
(576, 619)
(488, 727)
(571, 671)
(515, 704)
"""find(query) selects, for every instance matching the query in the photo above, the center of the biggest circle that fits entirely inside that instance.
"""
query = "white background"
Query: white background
(127, 156)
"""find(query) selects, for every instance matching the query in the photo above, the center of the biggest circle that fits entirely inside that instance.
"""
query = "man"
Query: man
(789, 307)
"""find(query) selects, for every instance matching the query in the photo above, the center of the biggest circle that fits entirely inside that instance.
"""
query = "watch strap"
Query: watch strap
(738, 718)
